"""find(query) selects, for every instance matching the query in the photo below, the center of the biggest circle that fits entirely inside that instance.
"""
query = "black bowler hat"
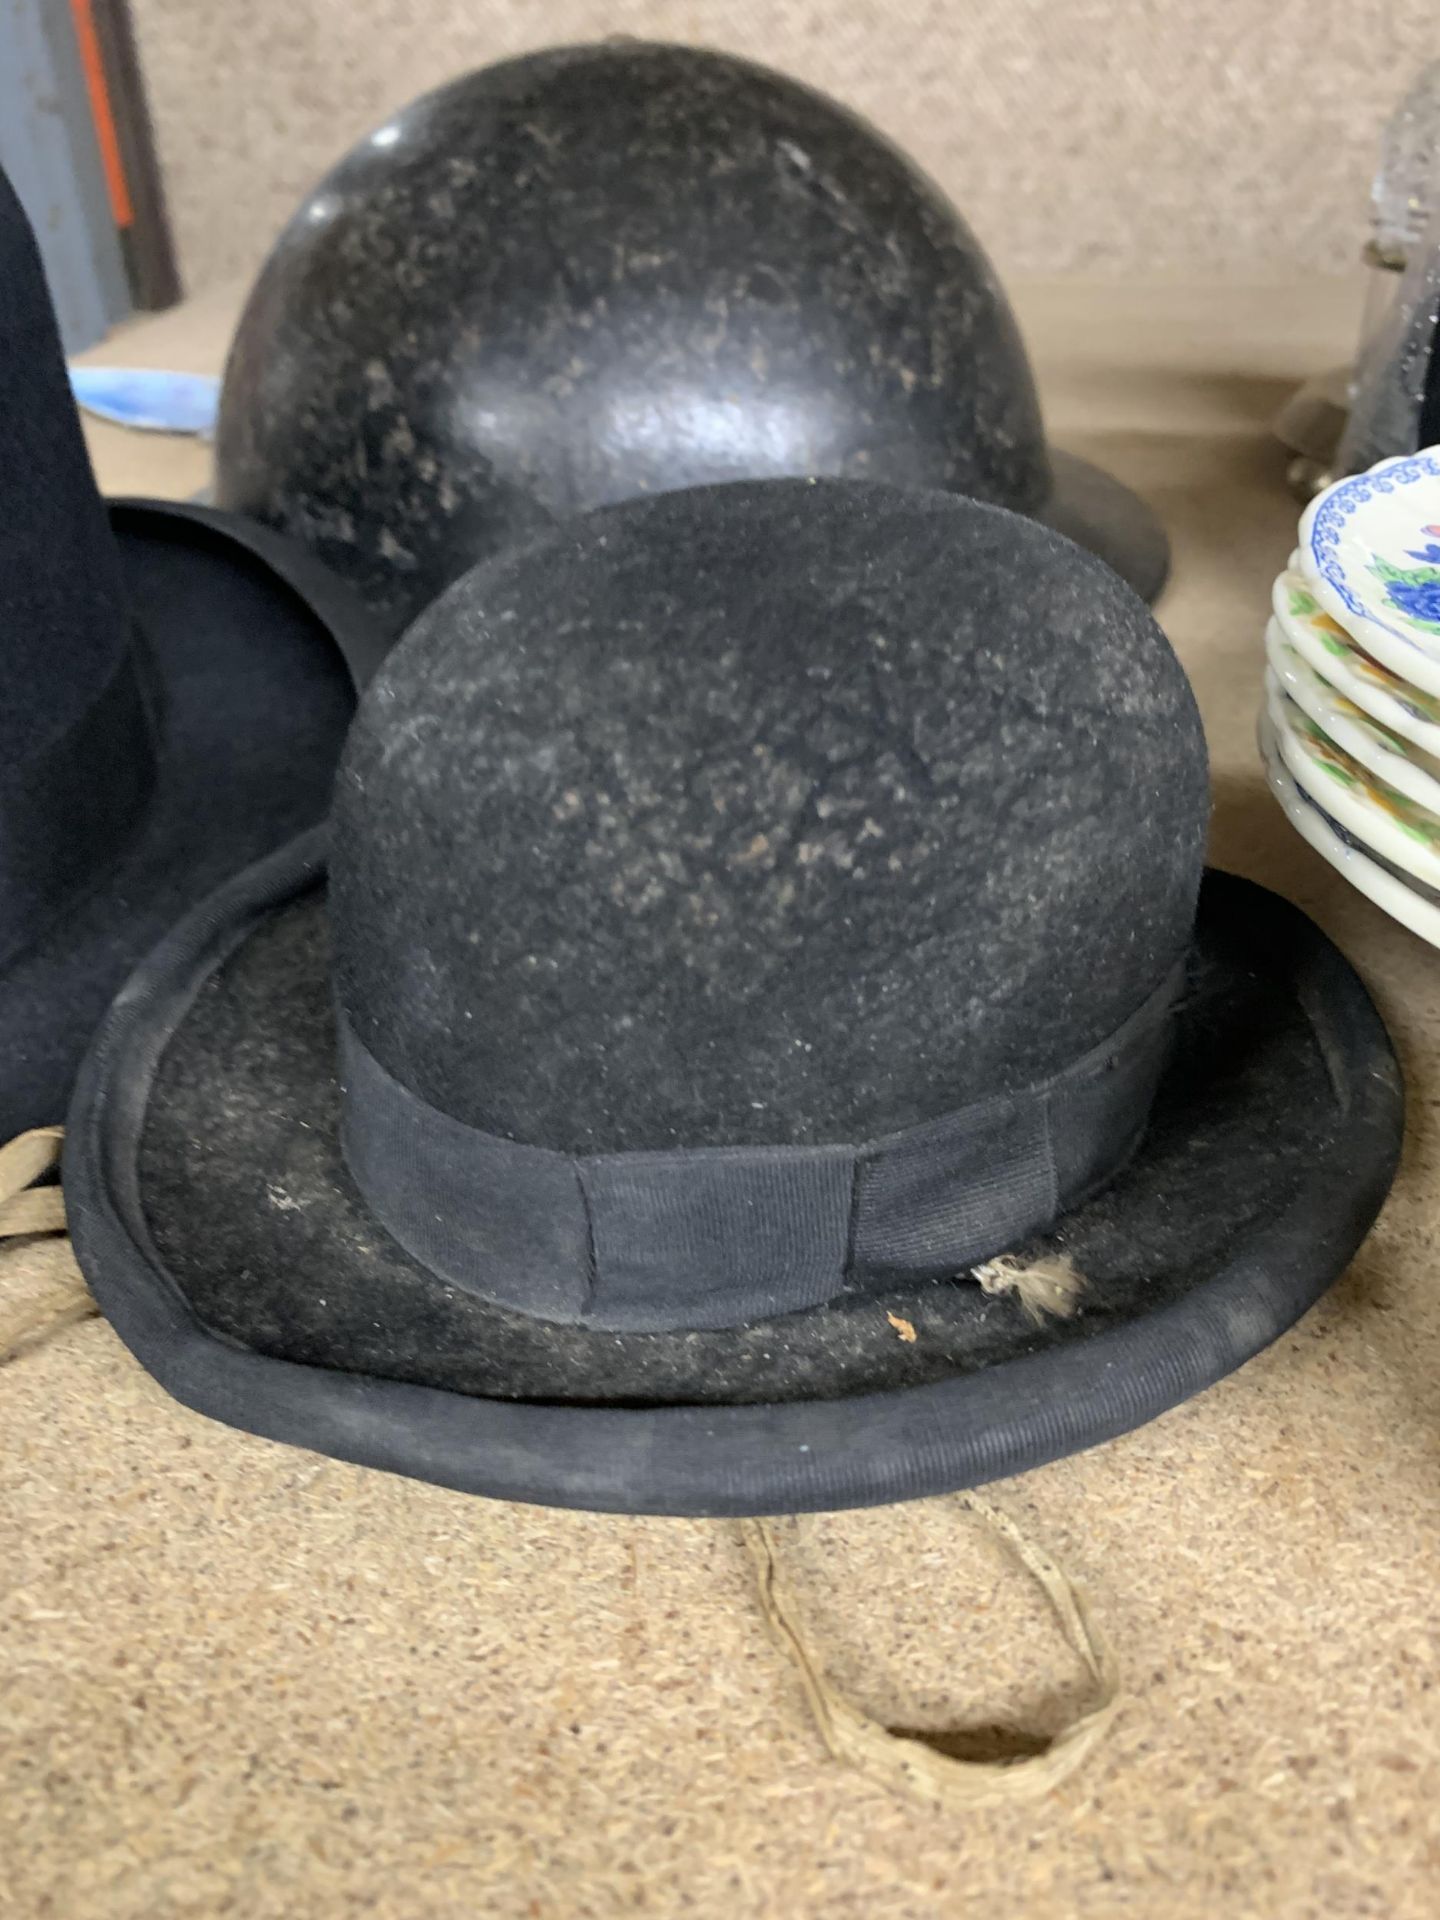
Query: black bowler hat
(621, 269)
(177, 686)
(760, 939)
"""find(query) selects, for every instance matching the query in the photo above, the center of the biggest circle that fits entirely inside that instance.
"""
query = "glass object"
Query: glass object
(1393, 366)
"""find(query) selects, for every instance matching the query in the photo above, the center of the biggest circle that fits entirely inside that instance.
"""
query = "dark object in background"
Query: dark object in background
(1388, 401)
(621, 269)
(1429, 434)
(1391, 406)
(123, 128)
(51, 157)
(176, 692)
(76, 142)
(748, 910)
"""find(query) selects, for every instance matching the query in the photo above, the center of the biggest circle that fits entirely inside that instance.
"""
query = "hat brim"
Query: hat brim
(223, 1238)
(1096, 511)
(246, 642)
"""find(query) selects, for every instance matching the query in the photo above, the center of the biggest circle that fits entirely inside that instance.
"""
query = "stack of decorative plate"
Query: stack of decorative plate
(1350, 729)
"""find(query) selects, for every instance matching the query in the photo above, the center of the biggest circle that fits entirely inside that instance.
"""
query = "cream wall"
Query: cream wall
(1107, 137)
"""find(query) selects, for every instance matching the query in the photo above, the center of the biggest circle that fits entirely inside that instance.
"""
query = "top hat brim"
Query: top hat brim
(249, 655)
(214, 1217)
(1097, 511)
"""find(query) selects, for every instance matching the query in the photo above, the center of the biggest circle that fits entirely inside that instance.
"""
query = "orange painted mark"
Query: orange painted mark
(99, 91)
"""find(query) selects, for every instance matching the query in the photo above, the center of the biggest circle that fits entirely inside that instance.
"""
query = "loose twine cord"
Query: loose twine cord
(900, 1761)
(24, 1160)
(913, 1764)
(28, 1209)
(905, 1762)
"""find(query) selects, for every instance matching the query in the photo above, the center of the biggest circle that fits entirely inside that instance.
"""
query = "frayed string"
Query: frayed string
(911, 1764)
(28, 1209)
(1050, 1285)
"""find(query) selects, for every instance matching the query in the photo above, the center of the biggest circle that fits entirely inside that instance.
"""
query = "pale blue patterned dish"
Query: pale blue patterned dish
(1370, 548)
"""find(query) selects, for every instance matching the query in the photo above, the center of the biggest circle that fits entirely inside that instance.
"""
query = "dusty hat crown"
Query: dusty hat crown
(778, 814)
(75, 762)
(600, 271)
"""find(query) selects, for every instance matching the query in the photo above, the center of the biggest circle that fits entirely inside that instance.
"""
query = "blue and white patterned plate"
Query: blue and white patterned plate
(1384, 820)
(1414, 907)
(1370, 547)
(1389, 756)
(1321, 641)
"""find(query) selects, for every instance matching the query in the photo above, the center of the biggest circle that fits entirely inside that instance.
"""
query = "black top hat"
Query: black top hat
(761, 935)
(176, 691)
(609, 270)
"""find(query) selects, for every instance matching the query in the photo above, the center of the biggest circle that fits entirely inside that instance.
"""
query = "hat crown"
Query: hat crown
(62, 604)
(74, 744)
(782, 813)
(601, 271)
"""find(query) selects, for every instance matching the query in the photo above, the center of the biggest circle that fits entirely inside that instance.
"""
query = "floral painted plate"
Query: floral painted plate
(1381, 752)
(1377, 882)
(1383, 819)
(1370, 548)
(1325, 645)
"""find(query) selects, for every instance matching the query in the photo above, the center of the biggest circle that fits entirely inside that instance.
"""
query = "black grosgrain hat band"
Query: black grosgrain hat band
(715, 1236)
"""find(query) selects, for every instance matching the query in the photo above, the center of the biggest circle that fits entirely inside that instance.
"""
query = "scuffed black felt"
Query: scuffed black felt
(75, 768)
(256, 1221)
(602, 271)
(63, 620)
(779, 813)
(251, 702)
(175, 695)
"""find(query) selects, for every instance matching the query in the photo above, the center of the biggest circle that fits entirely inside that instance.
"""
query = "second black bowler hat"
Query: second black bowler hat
(612, 270)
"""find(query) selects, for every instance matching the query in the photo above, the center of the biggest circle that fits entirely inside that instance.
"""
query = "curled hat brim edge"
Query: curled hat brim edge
(737, 1459)
(1100, 513)
(360, 637)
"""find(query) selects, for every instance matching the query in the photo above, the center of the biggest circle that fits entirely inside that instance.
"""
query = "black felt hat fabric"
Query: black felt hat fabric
(751, 915)
(176, 692)
(603, 271)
